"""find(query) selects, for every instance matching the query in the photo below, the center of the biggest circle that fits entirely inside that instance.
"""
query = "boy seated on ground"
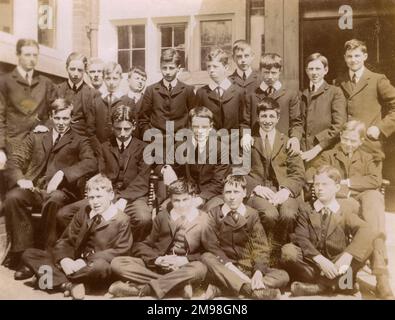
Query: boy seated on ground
(321, 255)
(98, 233)
(238, 253)
(169, 257)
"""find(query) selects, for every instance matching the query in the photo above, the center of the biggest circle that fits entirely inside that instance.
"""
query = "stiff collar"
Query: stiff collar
(173, 83)
(241, 209)
(126, 143)
(333, 206)
(190, 216)
(108, 214)
(277, 85)
(224, 85)
(358, 73)
(78, 85)
(240, 72)
(316, 85)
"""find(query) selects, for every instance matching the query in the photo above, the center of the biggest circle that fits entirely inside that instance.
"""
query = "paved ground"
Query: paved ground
(17, 290)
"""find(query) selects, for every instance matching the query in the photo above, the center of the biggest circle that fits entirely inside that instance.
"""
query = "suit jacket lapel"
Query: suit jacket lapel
(315, 219)
(279, 93)
(35, 79)
(362, 83)
(114, 149)
(258, 144)
(67, 138)
(345, 83)
(161, 89)
(334, 222)
(278, 143)
(47, 142)
(253, 78)
(212, 94)
(177, 89)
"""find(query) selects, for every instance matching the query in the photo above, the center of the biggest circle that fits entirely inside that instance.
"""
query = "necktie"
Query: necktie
(96, 220)
(244, 76)
(235, 215)
(122, 147)
(109, 99)
(354, 81)
(269, 90)
(218, 90)
(169, 88)
(28, 79)
(268, 147)
(313, 88)
(56, 140)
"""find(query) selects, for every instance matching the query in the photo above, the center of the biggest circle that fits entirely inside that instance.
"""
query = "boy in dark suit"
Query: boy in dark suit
(75, 90)
(246, 78)
(361, 180)
(323, 109)
(169, 257)
(238, 253)
(276, 177)
(290, 122)
(167, 100)
(44, 175)
(320, 254)
(98, 233)
(370, 97)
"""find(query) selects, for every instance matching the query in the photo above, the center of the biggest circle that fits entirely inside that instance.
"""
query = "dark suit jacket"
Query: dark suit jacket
(110, 238)
(323, 114)
(162, 237)
(23, 107)
(135, 173)
(99, 126)
(289, 170)
(364, 173)
(373, 103)
(249, 84)
(36, 160)
(82, 100)
(228, 111)
(243, 243)
(159, 106)
(308, 234)
(290, 122)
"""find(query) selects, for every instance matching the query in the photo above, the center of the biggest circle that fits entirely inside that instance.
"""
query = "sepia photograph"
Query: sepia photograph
(213, 151)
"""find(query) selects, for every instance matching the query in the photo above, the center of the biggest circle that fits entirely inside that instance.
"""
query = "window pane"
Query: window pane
(47, 23)
(123, 37)
(138, 36)
(6, 16)
(124, 60)
(179, 36)
(138, 58)
(166, 37)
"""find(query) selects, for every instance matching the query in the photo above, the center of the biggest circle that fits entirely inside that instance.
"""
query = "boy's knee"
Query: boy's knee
(207, 257)
(199, 271)
(289, 253)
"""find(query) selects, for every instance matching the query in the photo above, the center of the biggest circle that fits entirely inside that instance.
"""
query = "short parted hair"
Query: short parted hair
(77, 56)
(317, 56)
(111, 67)
(355, 44)
(355, 126)
(95, 61)
(268, 104)
(60, 104)
(236, 180)
(240, 45)
(98, 182)
(26, 43)
(217, 54)
(171, 55)
(330, 171)
(201, 112)
(270, 60)
(182, 186)
(139, 70)
(123, 113)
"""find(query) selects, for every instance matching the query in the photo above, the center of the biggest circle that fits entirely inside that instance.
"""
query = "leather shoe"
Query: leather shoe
(299, 289)
(75, 290)
(187, 292)
(23, 273)
(266, 294)
(383, 288)
(125, 289)
(212, 291)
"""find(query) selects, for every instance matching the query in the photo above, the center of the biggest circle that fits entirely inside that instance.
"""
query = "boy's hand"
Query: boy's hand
(68, 266)
(25, 184)
(280, 197)
(55, 181)
(79, 264)
(343, 263)
(312, 153)
(40, 129)
(257, 281)
(169, 175)
(373, 132)
(327, 266)
(264, 192)
(293, 146)
(233, 268)
(246, 142)
(3, 159)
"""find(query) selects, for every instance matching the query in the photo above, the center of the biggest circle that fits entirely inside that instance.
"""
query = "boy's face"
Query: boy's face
(201, 129)
(95, 72)
(270, 76)
(325, 188)
(355, 59)
(350, 141)
(28, 58)
(243, 58)
(100, 200)
(268, 120)
(316, 71)
(182, 203)
(76, 70)
(61, 120)
(169, 70)
(136, 82)
(112, 81)
(123, 130)
(216, 70)
(234, 195)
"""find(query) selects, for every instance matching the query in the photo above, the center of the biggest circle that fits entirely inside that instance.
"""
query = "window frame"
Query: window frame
(185, 25)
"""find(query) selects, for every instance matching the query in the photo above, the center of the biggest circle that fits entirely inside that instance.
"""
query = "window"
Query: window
(47, 23)
(6, 16)
(214, 34)
(173, 36)
(131, 46)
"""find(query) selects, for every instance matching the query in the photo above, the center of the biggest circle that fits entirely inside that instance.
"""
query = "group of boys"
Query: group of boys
(243, 235)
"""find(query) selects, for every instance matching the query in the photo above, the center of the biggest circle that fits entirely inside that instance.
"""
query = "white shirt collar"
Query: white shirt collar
(333, 206)
(271, 135)
(277, 85)
(173, 83)
(135, 95)
(224, 85)
(201, 147)
(190, 216)
(71, 84)
(241, 209)
(316, 85)
(126, 143)
(117, 94)
(240, 72)
(107, 215)
(358, 73)
(55, 134)
(23, 73)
